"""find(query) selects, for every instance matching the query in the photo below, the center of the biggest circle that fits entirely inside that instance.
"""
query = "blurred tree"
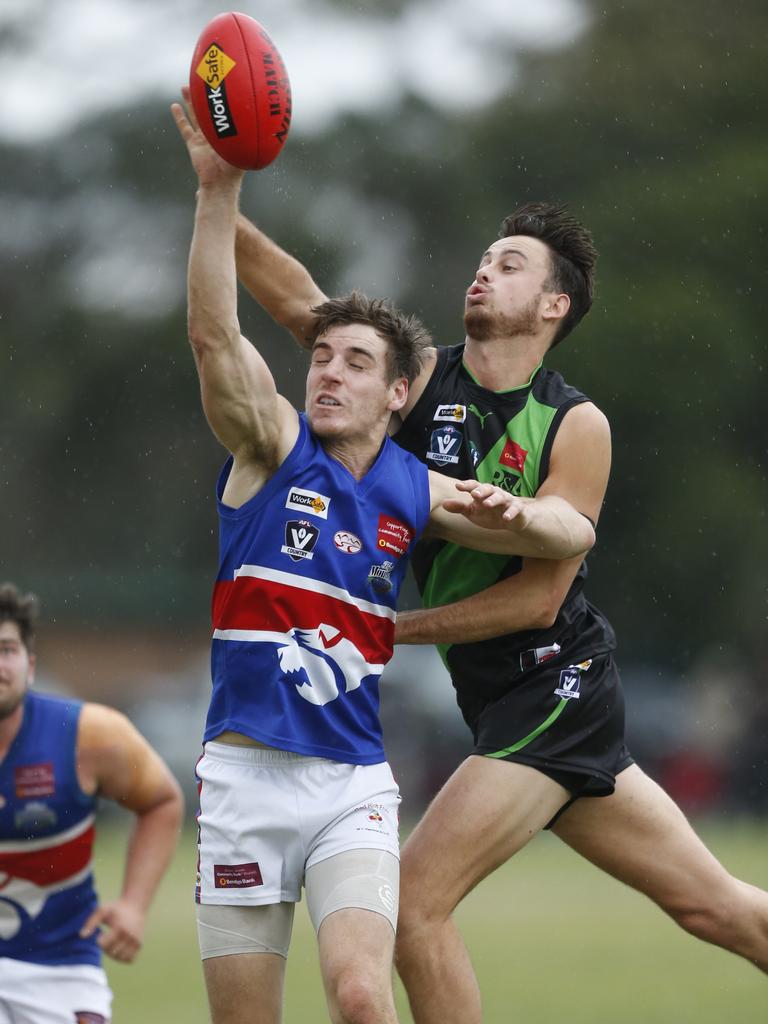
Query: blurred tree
(654, 135)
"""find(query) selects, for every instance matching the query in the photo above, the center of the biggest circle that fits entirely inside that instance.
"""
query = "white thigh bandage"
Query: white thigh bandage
(226, 930)
(363, 879)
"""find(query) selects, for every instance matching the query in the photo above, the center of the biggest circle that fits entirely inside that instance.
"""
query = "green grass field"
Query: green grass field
(553, 941)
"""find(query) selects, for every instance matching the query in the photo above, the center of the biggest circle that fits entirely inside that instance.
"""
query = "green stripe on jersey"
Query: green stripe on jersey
(456, 572)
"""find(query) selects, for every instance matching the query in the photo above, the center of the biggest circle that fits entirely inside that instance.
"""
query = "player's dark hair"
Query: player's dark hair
(406, 336)
(22, 609)
(573, 255)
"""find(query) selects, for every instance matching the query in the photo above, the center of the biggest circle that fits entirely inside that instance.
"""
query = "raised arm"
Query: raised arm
(115, 761)
(280, 283)
(239, 395)
(531, 599)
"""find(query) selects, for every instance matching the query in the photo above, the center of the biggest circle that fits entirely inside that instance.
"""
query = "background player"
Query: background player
(318, 514)
(529, 656)
(57, 756)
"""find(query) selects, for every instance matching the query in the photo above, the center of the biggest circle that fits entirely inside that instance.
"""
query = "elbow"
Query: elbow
(206, 336)
(544, 611)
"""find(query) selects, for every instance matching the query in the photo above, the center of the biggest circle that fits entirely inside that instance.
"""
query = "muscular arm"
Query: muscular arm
(280, 283)
(486, 518)
(579, 468)
(115, 761)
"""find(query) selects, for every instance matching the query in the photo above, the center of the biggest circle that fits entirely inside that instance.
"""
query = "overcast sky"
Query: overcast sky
(68, 58)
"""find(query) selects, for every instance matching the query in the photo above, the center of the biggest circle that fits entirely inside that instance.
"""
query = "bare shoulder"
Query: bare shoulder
(586, 418)
(107, 744)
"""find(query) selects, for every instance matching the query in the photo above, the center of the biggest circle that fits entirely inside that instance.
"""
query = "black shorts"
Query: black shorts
(565, 720)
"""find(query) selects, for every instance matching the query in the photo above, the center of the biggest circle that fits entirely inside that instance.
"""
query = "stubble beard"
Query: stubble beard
(484, 324)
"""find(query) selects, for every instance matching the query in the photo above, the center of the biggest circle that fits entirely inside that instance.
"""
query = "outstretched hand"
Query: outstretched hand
(489, 506)
(209, 167)
(122, 927)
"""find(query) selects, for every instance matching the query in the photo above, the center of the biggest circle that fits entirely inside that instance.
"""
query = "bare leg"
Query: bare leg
(485, 813)
(356, 948)
(640, 836)
(245, 988)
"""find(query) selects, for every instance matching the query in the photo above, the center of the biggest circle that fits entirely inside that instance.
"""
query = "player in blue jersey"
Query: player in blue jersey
(56, 757)
(318, 515)
(531, 659)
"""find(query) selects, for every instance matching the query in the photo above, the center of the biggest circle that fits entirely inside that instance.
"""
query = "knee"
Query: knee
(359, 999)
(711, 916)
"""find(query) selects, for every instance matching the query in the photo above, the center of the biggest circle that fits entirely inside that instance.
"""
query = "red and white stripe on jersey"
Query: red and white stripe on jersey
(261, 601)
(51, 859)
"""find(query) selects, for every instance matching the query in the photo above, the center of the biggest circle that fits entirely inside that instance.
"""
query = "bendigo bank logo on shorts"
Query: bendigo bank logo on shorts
(308, 501)
(237, 876)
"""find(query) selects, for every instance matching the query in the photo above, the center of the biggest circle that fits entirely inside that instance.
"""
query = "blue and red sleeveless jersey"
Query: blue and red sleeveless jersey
(46, 840)
(304, 603)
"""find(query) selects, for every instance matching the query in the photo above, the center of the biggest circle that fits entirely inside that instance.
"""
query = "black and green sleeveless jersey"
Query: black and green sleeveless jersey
(462, 429)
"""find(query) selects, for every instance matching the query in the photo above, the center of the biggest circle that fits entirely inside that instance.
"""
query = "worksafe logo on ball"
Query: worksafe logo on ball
(213, 69)
(444, 445)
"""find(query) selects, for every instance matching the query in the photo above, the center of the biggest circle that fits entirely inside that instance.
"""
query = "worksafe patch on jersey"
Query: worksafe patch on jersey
(300, 537)
(451, 413)
(444, 445)
(308, 501)
(393, 536)
(32, 780)
(237, 876)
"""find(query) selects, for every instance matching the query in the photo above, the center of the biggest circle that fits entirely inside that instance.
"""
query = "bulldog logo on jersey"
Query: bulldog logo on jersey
(300, 538)
(444, 445)
(323, 659)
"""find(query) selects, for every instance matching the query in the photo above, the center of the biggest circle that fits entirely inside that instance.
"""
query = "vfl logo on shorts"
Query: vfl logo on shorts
(237, 876)
(570, 681)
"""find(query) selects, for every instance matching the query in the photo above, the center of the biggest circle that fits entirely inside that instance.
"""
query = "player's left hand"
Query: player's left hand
(489, 506)
(122, 927)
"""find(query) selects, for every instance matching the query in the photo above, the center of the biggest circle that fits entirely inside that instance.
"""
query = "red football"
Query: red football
(240, 91)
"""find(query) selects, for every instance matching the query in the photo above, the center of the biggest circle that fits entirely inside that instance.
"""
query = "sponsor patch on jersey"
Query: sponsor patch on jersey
(507, 481)
(308, 501)
(393, 536)
(380, 577)
(444, 445)
(300, 537)
(451, 413)
(347, 542)
(237, 876)
(35, 817)
(34, 780)
(513, 456)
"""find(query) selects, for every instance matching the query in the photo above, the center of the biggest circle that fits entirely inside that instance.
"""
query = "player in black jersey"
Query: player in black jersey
(530, 657)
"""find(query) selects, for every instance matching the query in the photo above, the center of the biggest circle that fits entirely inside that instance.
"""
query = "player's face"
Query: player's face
(508, 294)
(16, 669)
(348, 395)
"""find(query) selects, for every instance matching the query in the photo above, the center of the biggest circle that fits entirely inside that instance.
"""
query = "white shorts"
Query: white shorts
(41, 994)
(268, 815)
